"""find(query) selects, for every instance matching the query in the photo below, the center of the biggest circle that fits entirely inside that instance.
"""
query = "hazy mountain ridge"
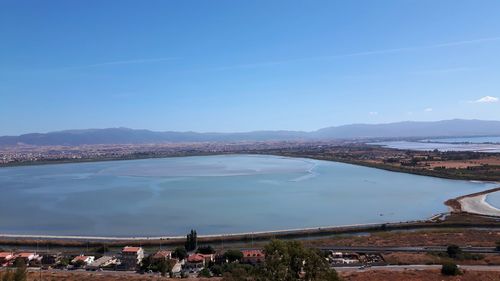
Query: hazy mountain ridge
(446, 128)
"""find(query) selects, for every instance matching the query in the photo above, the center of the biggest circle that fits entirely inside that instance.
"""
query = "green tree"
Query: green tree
(146, 263)
(191, 241)
(205, 272)
(180, 253)
(206, 250)
(287, 260)
(164, 266)
(316, 267)
(450, 269)
(217, 270)
(233, 255)
(454, 251)
(64, 262)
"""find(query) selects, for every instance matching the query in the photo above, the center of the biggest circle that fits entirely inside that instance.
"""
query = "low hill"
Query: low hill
(447, 128)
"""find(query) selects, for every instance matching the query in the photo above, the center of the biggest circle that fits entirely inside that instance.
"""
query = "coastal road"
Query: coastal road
(418, 249)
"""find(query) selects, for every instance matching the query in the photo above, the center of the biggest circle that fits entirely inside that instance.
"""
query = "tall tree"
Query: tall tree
(291, 261)
(191, 241)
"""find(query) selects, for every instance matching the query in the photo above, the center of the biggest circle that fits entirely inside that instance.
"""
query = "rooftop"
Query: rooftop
(163, 254)
(253, 253)
(129, 249)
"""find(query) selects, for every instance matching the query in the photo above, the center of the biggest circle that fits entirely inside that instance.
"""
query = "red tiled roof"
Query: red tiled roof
(80, 258)
(131, 249)
(196, 258)
(253, 253)
(25, 255)
(5, 254)
(162, 254)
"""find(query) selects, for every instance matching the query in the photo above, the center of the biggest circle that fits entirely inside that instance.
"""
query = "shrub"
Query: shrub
(454, 251)
(450, 269)
(206, 250)
(233, 255)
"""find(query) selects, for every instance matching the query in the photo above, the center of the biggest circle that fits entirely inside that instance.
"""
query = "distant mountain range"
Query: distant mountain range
(446, 128)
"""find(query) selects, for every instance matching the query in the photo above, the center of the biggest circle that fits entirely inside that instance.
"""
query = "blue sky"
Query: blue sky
(225, 65)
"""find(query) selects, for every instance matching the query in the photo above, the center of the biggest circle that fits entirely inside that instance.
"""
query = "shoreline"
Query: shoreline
(434, 222)
(475, 204)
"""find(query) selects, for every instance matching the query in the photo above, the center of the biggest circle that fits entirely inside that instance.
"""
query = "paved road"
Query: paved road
(417, 267)
(408, 249)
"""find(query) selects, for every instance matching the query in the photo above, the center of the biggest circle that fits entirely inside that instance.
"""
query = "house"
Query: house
(253, 256)
(198, 261)
(162, 255)
(83, 260)
(131, 257)
(101, 262)
(340, 258)
(5, 257)
(50, 259)
(26, 256)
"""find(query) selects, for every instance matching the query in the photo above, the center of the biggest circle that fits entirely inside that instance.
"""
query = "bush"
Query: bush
(450, 269)
(454, 251)
(205, 273)
(180, 253)
(206, 250)
(233, 255)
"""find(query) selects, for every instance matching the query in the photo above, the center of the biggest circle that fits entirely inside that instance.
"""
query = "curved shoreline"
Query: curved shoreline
(474, 203)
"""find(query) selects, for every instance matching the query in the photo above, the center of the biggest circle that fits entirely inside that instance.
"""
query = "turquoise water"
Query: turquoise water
(468, 140)
(213, 194)
(441, 146)
(494, 199)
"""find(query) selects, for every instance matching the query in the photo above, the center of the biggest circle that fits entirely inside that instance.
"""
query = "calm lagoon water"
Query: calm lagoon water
(468, 140)
(213, 194)
(494, 199)
(442, 146)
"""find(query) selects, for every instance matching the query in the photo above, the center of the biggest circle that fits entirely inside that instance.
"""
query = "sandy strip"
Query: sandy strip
(478, 205)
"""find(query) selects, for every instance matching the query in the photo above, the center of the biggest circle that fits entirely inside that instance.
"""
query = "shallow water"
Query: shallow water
(441, 146)
(213, 194)
(468, 140)
(494, 199)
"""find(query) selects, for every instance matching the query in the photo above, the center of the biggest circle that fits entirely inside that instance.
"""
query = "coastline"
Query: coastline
(437, 221)
(474, 203)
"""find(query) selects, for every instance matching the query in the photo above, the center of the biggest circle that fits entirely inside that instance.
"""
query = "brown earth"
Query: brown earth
(378, 275)
(93, 276)
(425, 258)
(420, 275)
(444, 237)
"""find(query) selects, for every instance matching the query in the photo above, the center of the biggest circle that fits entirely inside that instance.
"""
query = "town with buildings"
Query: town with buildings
(204, 262)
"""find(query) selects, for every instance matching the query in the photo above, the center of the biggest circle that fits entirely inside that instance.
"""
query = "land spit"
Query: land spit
(81, 241)
(474, 203)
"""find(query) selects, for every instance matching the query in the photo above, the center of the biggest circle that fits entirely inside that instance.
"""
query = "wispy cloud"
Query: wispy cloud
(444, 70)
(428, 109)
(362, 53)
(122, 62)
(486, 99)
(373, 113)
